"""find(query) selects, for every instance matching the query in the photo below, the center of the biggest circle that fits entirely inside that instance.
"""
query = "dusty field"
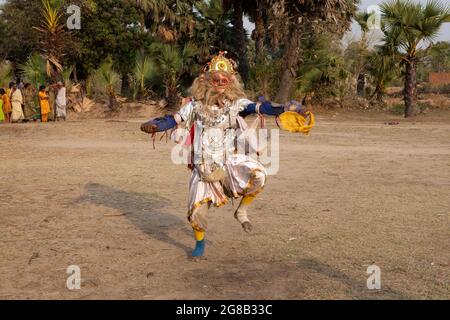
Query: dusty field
(356, 192)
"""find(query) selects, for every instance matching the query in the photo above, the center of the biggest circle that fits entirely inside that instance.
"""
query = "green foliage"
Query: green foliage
(51, 14)
(66, 76)
(213, 31)
(6, 73)
(172, 63)
(322, 70)
(406, 23)
(356, 56)
(435, 58)
(399, 108)
(264, 76)
(110, 29)
(105, 80)
(35, 70)
(52, 36)
(144, 72)
(161, 45)
(18, 39)
(383, 67)
(153, 11)
(439, 57)
(362, 18)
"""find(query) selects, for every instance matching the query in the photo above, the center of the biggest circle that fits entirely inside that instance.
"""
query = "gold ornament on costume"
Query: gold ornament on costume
(220, 63)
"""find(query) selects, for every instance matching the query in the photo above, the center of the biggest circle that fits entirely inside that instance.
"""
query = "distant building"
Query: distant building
(439, 78)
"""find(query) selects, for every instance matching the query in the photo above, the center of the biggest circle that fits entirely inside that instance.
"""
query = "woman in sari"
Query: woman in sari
(2, 116)
(6, 105)
(44, 103)
(29, 93)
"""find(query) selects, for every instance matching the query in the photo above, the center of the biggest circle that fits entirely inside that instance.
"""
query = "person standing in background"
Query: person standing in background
(2, 116)
(6, 105)
(9, 90)
(16, 102)
(29, 93)
(61, 101)
(44, 103)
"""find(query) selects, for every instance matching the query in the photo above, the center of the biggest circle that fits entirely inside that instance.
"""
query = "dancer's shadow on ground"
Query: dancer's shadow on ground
(147, 211)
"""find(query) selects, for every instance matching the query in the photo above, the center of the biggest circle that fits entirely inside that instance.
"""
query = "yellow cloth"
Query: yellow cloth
(7, 108)
(43, 101)
(199, 235)
(294, 122)
(2, 116)
(247, 200)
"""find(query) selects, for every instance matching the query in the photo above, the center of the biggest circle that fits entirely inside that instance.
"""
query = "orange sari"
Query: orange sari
(7, 108)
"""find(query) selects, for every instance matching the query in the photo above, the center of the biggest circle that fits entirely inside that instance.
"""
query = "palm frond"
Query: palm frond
(410, 22)
(144, 70)
(105, 79)
(65, 75)
(35, 70)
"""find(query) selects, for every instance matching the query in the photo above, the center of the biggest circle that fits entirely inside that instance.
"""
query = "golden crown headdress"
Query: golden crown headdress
(220, 63)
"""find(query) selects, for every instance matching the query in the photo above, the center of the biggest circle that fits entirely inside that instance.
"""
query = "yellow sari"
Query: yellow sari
(43, 101)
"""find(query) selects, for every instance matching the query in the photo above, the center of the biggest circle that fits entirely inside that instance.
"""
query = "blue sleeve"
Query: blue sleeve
(265, 108)
(163, 123)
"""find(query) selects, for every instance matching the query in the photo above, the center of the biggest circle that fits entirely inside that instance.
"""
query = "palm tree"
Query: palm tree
(260, 17)
(107, 81)
(361, 63)
(167, 19)
(66, 73)
(52, 40)
(172, 63)
(257, 11)
(144, 70)
(383, 68)
(35, 70)
(406, 25)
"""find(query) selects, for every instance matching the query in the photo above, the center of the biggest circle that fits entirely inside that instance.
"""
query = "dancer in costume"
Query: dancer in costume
(215, 117)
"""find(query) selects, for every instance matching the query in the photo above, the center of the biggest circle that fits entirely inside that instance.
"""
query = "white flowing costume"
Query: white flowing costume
(214, 145)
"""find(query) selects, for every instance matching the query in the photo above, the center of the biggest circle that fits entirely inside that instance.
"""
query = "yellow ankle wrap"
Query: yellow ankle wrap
(247, 200)
(199, 235)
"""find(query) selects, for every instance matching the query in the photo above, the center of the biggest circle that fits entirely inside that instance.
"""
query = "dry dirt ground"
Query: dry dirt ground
(354, 193)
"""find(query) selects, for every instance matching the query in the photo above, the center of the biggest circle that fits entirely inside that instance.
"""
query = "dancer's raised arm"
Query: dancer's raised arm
(267, 108)
(168, 122)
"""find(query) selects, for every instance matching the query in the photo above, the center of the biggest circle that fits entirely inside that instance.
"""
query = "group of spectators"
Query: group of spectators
(22, 103)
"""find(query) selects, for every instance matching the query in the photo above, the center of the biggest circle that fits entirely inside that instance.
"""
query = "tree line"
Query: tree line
(146, 48)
